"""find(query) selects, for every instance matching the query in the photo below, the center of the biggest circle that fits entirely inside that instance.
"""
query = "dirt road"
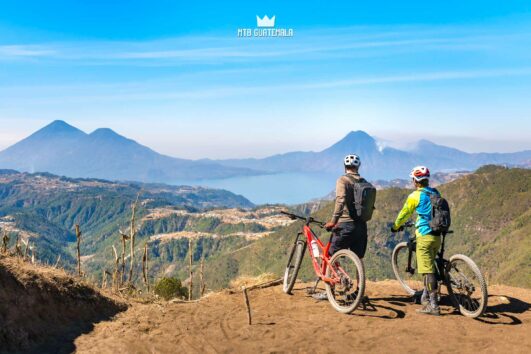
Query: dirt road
(298, 323)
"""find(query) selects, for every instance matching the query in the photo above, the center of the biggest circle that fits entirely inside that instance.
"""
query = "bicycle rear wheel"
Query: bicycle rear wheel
(347, 269)
(411, 281)
(466, 286)
(294, 264)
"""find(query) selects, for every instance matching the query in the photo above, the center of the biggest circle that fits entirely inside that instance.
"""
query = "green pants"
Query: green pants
(427, 247)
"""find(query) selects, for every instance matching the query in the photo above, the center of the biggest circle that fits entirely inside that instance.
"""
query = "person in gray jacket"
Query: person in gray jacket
(352, 232)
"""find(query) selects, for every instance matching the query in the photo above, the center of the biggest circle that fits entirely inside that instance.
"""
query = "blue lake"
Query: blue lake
(287, 188)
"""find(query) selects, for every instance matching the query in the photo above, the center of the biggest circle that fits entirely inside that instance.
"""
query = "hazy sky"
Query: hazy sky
(178, 79)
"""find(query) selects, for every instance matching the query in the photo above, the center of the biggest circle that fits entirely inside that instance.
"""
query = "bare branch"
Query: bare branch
(202, 278)
(247, 305)
(78, 237)
(190, 260)
(132, 233)
(145, 269)
(57, 262)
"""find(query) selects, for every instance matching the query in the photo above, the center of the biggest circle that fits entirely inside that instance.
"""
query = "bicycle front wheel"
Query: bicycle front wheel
(294, 264)
(466, 286)
(410, 279)
(346, 269)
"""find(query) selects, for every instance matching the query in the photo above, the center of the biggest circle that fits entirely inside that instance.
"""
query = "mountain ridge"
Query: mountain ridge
(63, 149)
(380, 162)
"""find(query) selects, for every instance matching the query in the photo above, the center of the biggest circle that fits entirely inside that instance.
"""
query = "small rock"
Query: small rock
(504, 300)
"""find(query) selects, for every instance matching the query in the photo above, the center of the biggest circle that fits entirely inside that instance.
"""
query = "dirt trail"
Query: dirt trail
(298, 323)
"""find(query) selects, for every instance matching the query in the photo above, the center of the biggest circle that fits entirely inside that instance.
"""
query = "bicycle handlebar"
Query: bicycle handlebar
(308, 219)
(411, 224)
(408, 224)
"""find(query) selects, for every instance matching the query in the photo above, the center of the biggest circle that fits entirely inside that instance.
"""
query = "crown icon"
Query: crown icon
(265, 21)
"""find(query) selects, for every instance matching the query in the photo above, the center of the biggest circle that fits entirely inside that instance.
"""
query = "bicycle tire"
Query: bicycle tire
(482, 306)
(361, 282)
(294, 264)
(401, 247)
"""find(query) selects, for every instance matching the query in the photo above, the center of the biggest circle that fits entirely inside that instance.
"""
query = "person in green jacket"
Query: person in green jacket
(428, 243)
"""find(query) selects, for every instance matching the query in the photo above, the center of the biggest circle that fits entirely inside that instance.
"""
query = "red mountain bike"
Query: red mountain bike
(343, 273)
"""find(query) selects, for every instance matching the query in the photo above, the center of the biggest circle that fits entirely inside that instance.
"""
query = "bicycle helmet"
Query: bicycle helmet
(420, 173)
(352, 160)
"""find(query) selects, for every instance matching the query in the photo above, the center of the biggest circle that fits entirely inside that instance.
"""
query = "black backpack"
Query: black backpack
(364, 199)
(440, 213)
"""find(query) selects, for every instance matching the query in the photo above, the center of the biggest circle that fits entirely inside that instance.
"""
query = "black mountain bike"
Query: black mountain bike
(464, 282)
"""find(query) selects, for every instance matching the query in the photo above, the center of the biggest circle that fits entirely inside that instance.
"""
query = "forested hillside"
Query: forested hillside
(43, 209)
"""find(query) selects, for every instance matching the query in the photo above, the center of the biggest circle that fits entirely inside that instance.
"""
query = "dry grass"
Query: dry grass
(47, 308)
(248, 281)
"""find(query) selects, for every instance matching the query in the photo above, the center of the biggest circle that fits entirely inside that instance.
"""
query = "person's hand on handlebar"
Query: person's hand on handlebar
(393, 230)
(330, 225)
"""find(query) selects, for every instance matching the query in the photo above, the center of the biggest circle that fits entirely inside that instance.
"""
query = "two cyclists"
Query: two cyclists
(354, 204)
(352, 230)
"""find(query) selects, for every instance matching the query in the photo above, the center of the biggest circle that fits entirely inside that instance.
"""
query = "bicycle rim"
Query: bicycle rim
(411, 282)
(347, 269)
(466, 286)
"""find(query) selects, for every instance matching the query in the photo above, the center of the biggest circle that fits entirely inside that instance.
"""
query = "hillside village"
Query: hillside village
(268, 217)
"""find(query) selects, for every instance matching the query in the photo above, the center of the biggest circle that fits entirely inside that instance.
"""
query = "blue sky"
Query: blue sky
(177, 78)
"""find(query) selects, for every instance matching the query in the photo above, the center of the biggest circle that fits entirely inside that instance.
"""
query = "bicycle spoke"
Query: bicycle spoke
(466, 286)
(345, 274)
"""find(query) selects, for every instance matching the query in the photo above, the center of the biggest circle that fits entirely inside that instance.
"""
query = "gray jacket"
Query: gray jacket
(345, 198)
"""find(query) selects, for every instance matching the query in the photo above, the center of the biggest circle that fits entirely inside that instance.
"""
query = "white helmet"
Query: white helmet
(419, 173)
(352, 160)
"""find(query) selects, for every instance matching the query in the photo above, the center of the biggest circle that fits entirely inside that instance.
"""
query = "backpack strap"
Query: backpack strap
(435, 192)
(353, 179)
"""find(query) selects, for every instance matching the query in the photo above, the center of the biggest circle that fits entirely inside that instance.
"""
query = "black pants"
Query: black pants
(353, 236)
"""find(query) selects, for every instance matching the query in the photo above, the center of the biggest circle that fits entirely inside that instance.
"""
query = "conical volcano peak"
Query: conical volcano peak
(358, 137)
(358, 134)
(109, 136)
(58, 125)
(354, 142)
(57, 129)
(105, 132)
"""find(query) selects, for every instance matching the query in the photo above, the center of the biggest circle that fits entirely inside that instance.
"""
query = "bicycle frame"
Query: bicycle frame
(319, 267)
(321, 263)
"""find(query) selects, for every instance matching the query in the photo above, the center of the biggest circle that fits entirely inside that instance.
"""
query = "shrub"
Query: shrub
(169, 288)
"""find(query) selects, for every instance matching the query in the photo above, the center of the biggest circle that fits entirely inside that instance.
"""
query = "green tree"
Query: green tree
(169, 288)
